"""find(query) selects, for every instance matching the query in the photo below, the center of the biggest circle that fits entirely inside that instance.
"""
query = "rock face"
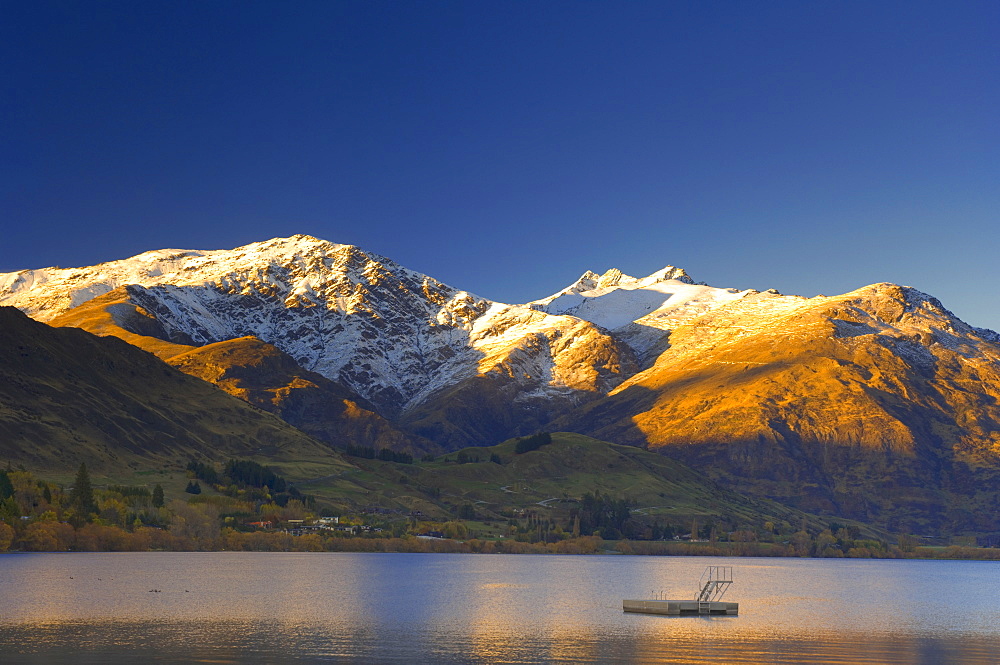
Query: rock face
(877, 404)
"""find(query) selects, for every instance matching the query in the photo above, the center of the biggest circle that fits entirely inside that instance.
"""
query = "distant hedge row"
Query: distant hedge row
(384, 454)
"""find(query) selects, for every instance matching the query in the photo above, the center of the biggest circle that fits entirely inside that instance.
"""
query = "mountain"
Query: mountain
(264, 376)
(252, 370)
(402, 341)
(67, 396)
(878, 403)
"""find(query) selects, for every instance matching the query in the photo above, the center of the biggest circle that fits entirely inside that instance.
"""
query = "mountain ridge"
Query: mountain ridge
(814, 401)
(392, 335)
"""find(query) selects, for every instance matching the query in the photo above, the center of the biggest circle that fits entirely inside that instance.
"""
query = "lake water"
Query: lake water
(464, 608)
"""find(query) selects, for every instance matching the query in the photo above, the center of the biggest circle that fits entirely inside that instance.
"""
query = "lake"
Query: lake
(224, 607)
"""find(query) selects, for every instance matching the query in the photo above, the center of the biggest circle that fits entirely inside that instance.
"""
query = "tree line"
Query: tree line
(384, 454)
(240, 477)
(36, 515)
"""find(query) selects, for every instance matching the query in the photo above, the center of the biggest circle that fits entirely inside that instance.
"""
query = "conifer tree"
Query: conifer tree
(6, 487)
(82, 497)
(158, 496)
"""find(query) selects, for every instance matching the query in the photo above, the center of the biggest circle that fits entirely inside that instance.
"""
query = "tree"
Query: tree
(193, 487)
(158, 496)
(9, 509)
(6, 488)
(82, 497)
(6, 536)
(533, 442)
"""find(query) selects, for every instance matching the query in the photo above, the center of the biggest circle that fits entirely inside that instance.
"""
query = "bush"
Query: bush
(204, 472)
(533, 442)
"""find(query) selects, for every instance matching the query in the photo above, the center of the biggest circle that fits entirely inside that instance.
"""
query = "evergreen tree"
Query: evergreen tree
(193, 487)
(6, 487)
(82, 497)
(533, 442)
(158, 496)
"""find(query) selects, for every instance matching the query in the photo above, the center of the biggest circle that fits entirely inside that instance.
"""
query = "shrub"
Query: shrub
(533, 442)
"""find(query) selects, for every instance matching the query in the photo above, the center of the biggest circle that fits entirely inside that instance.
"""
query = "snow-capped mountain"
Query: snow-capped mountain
(856, 403)
(392, 335)
(638, 310)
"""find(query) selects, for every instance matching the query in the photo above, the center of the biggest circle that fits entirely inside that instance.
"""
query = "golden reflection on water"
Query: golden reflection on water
(502, 632)
(278, 608)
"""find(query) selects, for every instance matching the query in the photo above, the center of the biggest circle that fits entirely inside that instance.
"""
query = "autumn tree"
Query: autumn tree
(6, 536)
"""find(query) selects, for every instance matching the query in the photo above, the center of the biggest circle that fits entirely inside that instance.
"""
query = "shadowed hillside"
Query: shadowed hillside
(67, 396)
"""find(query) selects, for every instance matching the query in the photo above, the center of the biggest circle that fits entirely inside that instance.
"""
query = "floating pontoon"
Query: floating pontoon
(711, 587)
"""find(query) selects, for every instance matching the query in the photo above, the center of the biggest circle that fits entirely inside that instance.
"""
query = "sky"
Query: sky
(506, 147)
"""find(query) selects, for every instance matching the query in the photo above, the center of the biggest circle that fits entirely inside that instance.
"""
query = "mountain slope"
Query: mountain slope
(67, 396)
(878, 403)
(551, 481)
(262, 375)
(638, 311)
(401, 340)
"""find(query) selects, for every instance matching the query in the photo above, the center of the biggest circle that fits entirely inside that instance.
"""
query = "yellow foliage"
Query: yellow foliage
(6, 536)
(49, 537)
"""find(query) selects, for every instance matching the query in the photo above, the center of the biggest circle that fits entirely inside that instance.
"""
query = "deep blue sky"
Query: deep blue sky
(505, 147)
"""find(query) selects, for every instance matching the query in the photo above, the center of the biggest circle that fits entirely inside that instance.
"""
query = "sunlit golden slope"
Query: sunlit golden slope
(113, 315)
(264, 376)
(869, 402)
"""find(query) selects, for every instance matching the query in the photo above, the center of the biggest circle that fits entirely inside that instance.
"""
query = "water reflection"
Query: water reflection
(228, 642)
(387, 608)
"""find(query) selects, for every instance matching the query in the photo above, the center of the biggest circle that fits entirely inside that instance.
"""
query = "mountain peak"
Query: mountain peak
(614, 277)
(295, 245)
(667, 273)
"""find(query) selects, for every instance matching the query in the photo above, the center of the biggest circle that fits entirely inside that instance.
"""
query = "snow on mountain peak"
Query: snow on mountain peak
(591, 284)
(667, 273)
(638, 309)
(393, 335)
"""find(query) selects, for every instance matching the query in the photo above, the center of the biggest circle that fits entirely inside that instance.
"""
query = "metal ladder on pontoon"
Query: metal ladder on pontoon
(712, 586)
